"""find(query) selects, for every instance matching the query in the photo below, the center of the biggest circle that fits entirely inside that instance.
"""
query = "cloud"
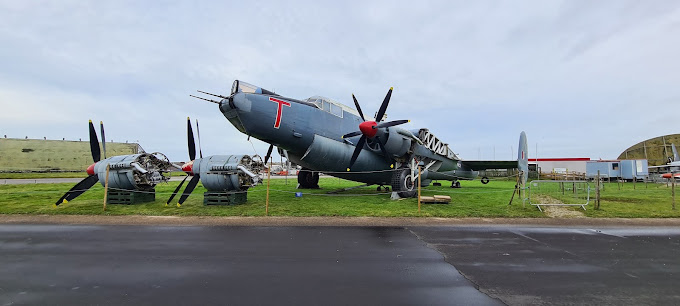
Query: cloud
(581, 78)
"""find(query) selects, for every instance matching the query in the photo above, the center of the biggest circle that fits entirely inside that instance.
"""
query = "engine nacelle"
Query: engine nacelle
(134, 172)
(228, 172)
(397, 144)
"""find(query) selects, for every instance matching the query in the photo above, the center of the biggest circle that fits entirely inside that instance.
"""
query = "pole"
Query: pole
(418, 189)
(673, 190)
(106, 186)
(269, 174)
(515, 191)
(597, 192)
(634, 182)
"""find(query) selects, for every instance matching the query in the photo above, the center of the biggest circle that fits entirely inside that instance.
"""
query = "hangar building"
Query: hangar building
(655, 150)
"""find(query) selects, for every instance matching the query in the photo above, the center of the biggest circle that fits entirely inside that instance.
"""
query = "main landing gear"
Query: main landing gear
(455, 184)
(403, 184)
(308, 179)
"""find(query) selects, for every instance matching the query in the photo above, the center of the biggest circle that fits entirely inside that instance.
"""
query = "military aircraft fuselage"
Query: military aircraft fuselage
(311, 132)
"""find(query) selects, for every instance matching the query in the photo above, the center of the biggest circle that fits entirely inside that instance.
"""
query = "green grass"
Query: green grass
(473, 200)
(654, 201)
(625, 200)
(38, 175)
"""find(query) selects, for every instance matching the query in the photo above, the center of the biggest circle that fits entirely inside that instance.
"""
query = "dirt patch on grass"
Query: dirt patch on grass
(559, 211)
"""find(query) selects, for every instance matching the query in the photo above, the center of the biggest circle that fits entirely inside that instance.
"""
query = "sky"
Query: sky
(582, 78)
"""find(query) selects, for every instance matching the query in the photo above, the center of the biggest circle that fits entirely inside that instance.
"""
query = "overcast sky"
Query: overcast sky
(582, 78)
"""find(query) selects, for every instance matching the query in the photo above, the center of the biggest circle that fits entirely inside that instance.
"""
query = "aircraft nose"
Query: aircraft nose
(240, 103)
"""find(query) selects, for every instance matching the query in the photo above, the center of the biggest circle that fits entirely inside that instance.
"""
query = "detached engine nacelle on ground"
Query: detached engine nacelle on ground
(228, 172)
(133, 172)
(127, 172)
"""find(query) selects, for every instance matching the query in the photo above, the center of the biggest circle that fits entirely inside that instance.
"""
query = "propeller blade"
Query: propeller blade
(382, 148)
(356, 103)
(101, 124)
(269, 153)
(392, 123)
(174, 193)
(198, 132)
(352, 134)
(383, 107)
(78, 189)
(357, 150)
(190, 140)
(189, 189)
(94, 144)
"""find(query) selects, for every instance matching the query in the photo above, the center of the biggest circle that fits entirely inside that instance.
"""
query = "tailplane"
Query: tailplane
(675, 153)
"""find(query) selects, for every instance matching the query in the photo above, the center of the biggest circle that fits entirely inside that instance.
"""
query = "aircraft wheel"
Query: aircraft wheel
(485, 180)
(402, 183)
(308, 179)
(455, 184)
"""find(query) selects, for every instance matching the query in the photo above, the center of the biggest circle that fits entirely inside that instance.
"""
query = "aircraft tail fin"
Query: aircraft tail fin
(675, 153)
(523, 156)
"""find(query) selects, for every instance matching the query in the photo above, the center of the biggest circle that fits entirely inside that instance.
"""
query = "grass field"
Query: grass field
(473, 200)
(39, 175)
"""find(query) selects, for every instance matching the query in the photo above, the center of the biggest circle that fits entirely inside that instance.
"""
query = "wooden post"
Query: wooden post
(597, 191)
(673, 189)
(516, 190)
(419, 189)
(106, 186)
(634, 182)
(269, 174)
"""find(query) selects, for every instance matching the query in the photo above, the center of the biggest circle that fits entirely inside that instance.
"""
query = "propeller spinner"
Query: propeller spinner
(369, 129)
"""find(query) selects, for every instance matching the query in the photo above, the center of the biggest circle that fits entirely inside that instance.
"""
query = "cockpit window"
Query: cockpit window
(240, 86)
(328, 105)
(336, 110)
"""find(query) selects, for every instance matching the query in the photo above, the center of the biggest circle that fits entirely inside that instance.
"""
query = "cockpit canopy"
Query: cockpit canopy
(331, 106)
(240, 86)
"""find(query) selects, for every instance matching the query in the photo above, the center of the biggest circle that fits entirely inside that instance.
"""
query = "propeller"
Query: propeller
(369, 129)
(269, 153)
(198, 131)
(188, 167)
(92, 179)
(101, 124)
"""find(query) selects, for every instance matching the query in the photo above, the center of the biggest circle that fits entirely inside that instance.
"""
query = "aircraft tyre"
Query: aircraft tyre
(455, 184)
(402, 183)
(485, 180)
(308, 179)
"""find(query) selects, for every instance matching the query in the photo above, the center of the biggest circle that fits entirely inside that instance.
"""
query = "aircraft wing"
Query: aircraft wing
(477, 165)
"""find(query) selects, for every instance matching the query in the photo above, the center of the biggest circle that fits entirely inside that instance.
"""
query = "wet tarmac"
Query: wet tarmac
(451, 265)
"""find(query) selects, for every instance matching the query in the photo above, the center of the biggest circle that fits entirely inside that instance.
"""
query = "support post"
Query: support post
(673, 189)
(419, 189)
(106, 186)
(269, 174)
(597, 192)
(516, 189)
(634, 182)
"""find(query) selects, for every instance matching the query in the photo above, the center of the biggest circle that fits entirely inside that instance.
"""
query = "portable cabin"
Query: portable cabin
(607, 168)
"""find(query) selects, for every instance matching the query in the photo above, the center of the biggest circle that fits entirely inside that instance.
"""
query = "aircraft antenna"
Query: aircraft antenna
(214, 95)
(213, 101)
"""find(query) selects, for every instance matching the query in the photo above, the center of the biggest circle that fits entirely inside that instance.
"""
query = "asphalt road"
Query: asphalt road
(450, 265)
